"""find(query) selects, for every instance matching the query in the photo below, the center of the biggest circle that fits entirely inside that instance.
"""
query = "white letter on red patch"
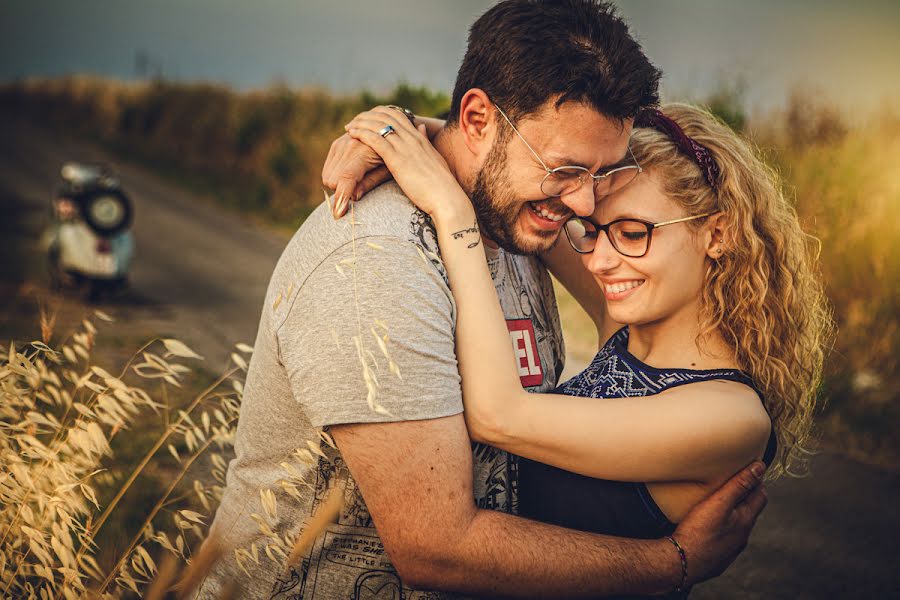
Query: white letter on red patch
(521, 333)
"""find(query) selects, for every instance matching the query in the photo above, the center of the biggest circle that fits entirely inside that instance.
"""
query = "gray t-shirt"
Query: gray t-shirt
(358, 327)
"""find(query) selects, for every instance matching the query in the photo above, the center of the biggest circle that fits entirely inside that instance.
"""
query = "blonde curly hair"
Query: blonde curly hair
(765, 294)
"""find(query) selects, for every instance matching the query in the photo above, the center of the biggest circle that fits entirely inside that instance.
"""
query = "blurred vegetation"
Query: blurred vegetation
(846, 187)
(727, 102)
(262, 152)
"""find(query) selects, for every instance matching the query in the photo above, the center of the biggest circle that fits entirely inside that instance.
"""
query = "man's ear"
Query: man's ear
(717, 230)
(477, 122)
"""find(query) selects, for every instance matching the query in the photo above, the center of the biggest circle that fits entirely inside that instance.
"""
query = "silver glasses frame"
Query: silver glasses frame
(582, 178)
(605, 229)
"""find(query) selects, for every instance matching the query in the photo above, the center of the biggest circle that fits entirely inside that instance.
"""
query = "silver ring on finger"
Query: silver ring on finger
(386, 131)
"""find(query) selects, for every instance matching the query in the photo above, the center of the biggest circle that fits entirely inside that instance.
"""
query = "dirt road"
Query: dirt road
(201, 273)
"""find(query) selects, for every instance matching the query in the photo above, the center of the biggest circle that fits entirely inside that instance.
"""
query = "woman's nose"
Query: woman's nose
(604, 257)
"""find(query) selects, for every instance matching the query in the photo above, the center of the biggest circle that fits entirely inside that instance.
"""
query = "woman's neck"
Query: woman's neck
(675, 342)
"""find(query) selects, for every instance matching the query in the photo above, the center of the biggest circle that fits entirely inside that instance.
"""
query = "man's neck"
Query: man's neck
(449, 144)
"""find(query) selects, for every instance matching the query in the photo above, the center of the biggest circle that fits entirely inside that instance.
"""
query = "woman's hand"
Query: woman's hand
(352, 169)
(416, 166)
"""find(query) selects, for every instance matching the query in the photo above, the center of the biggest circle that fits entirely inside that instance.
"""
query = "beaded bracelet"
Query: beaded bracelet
(406, 112)
(684, 568)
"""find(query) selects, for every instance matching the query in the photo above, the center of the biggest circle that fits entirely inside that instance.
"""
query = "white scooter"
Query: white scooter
(89, 241)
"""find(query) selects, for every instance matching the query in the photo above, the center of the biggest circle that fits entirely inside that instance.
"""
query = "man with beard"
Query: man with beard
(356, 348)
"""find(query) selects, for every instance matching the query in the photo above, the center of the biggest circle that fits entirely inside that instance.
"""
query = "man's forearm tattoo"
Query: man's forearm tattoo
(471, 230)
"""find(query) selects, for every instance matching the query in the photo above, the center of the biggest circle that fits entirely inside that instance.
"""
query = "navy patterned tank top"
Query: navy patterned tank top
(618, 508)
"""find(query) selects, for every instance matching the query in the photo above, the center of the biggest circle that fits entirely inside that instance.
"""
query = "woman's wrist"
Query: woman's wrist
(454, 211)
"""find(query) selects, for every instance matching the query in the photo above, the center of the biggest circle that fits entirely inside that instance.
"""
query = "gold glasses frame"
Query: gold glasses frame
(575, 176)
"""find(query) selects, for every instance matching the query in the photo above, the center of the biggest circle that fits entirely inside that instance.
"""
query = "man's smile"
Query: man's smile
(547, 214)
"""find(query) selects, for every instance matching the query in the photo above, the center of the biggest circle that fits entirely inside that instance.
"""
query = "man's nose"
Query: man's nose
(580, 201)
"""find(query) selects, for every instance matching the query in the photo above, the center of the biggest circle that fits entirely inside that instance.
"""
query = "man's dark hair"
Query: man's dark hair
(522, 53)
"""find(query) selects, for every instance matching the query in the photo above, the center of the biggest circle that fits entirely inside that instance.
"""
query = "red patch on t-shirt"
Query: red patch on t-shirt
(521, 333)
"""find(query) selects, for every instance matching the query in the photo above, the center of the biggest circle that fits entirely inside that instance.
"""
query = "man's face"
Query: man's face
(512, 209)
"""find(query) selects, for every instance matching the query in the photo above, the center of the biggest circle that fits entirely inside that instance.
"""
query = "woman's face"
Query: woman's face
(667, 281)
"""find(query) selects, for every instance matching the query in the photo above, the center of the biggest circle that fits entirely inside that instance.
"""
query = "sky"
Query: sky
(844, 51)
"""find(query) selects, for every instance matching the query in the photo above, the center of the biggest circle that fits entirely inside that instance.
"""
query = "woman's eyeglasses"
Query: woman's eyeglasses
(630, 237)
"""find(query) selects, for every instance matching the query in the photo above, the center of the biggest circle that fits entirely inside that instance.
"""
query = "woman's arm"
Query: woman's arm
(692, 433)
(351, 165)
(700, 432)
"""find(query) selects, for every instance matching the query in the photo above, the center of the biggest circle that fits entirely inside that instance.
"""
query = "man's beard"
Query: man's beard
(498, 211)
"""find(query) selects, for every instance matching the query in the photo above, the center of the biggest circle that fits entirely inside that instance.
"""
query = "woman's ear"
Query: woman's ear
(717, 244)
(477, 122)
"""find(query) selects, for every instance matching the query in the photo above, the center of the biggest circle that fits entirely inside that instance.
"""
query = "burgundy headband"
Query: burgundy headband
(653, 118)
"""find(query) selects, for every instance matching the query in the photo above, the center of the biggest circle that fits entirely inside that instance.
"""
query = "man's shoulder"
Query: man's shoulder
(387, 211)
(384, 211)
(387, 199)
(383, 215)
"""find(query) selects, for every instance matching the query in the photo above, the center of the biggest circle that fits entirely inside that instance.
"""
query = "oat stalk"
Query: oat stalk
(156, 508)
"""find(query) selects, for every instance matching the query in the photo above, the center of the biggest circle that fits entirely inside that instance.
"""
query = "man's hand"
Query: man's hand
(352, 169)
(717, 529)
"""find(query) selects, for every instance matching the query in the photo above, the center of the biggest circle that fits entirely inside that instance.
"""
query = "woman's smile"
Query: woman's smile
(620, 289)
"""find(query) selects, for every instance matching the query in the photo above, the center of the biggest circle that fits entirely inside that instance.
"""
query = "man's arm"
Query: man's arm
(416, 478)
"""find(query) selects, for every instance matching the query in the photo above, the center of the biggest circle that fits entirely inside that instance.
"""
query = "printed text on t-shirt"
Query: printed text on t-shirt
(528, 361)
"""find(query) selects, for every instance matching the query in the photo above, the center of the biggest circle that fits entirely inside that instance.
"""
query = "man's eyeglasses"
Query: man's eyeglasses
(630, 237)
(568, 179)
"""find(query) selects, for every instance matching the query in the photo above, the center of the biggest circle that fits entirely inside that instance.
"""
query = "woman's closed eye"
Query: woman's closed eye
(634, 236)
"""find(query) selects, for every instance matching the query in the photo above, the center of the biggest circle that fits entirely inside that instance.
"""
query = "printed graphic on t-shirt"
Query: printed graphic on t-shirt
(349, 550)
(528, 360)
(526, 292)
(529, 304)
(423, 234)
(344, 557)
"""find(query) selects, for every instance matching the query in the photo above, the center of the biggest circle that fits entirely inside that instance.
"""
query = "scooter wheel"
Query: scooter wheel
(107, 212)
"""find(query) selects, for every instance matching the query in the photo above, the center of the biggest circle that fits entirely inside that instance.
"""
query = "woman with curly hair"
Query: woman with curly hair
(711, 315)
